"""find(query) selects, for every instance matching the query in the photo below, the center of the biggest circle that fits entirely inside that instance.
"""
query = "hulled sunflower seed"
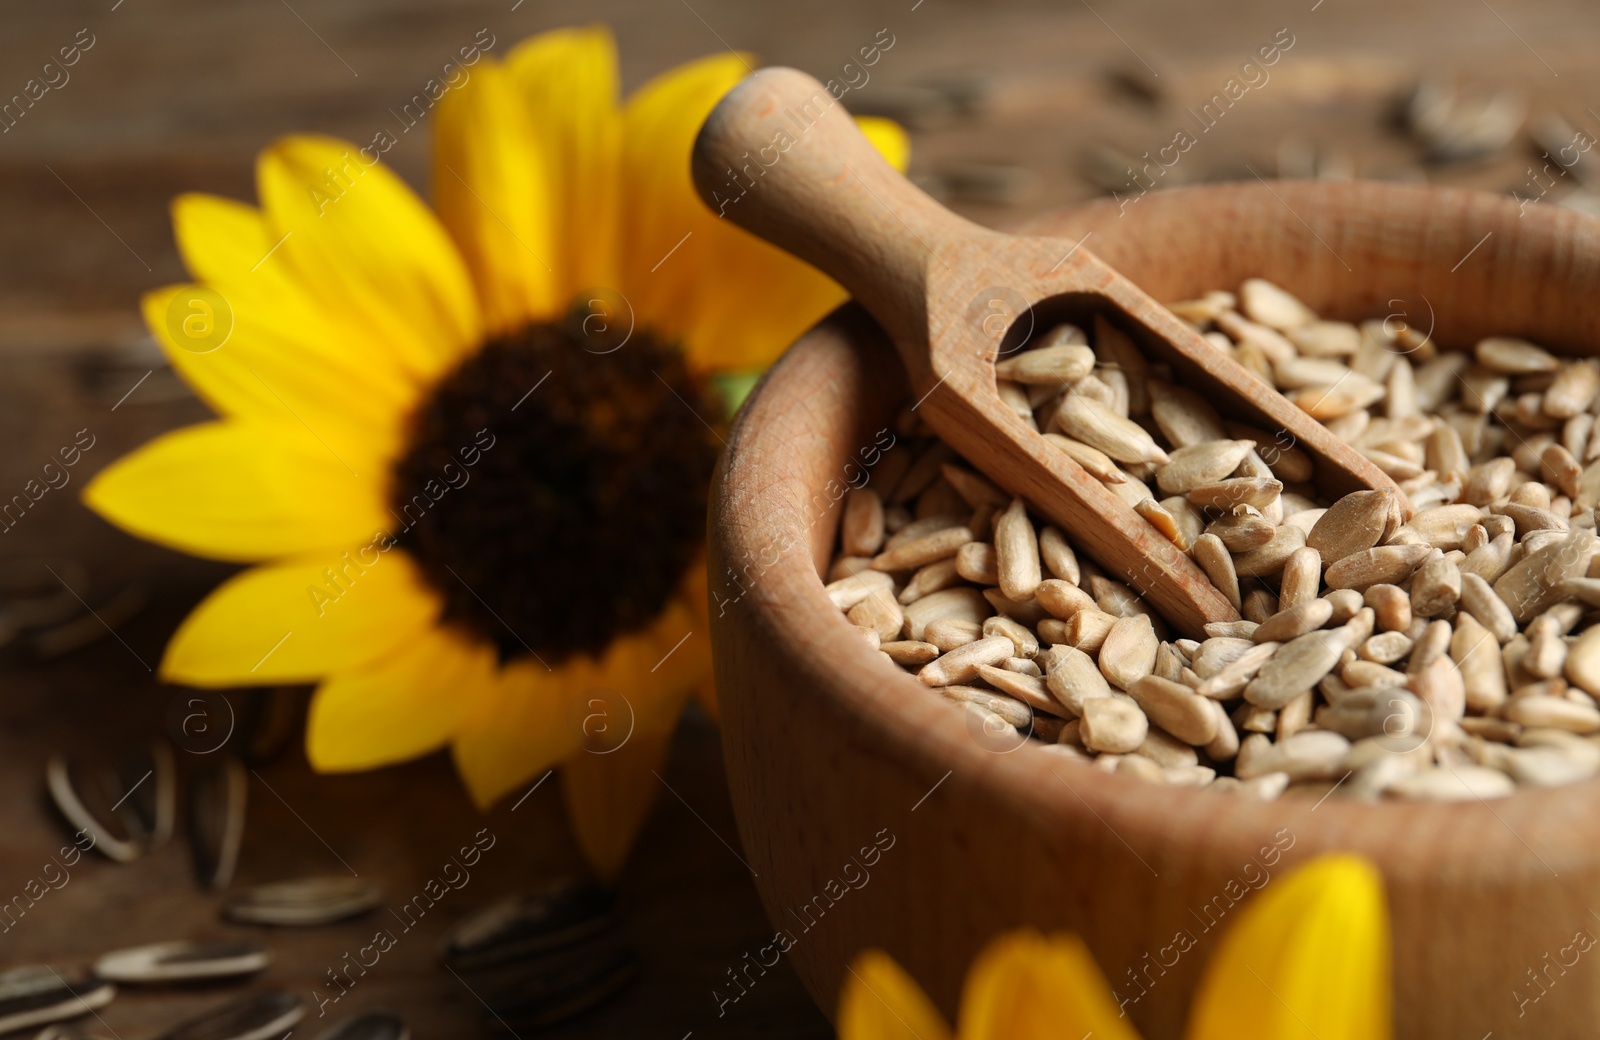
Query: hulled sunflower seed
(1049, 366)
(1386, 564)
(861, 529)
(1241, 532)
(1552, 713)
(1258, 492)
(1354, 523)
(1298, 666)
(1096, 425)
(1270, 305)
(1203, 463)
(1012, 712)
(847, 592)
(1058, 556)
(1302, 577)
(1310, 755)
(1514, 356)
(1295, 621)
(1129, 651)
(1435, 587)
(909, 653)
(1073, 677)
(1183, 416)
(1114, 725)
(1269, 560)
(1454, 784)
(1175, 708)
(880, 612)
(1029, 689)
(961, 664)
(1094, 461)
(1016, 548)
(963, 603)
(919, 552)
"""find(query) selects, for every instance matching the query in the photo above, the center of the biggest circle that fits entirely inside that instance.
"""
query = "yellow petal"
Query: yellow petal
(406, 704)
(889, 138)
(236, 491)
(301, 620)
(1307, 959)
(358, 241)
(568, 79)
(288, 357)
(493, 193)
(609, 795)
(1024, 986)
(879, 1001)
(524, 725)
(278, 368)
(631, 701)
(223, 240)
(666, 230)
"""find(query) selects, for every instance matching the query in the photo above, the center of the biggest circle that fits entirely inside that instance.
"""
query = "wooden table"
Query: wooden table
(175, 96)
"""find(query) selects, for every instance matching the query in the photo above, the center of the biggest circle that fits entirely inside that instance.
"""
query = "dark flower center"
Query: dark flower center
(554, 491)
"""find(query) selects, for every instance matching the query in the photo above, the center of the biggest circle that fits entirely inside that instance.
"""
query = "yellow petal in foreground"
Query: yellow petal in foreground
(1308, 959)
(491, 187)
(1024, 986)
(665, 245)
(568, 78)
(236, 491)
(609, 793)
(223, 242)
(879, 1001)
(301, 620)
(284, 338)
(398, 707)
(519, 726)
(359, 241)
(275, 368)
(629, 705)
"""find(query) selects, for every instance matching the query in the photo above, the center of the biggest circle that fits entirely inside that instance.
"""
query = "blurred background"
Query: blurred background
(1013, 107)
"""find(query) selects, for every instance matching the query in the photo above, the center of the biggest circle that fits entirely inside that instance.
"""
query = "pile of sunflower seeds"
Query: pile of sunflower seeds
(1445, 655)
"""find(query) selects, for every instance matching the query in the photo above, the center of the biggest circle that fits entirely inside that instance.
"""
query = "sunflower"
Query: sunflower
(1307, 959)
(466, 449)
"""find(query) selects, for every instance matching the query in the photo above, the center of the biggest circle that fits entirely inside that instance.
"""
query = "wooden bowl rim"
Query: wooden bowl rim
(889, 713)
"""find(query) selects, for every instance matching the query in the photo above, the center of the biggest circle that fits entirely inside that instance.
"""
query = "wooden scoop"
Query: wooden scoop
(782, 159)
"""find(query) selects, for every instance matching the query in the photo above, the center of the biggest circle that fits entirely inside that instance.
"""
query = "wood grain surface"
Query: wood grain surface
(178, 95)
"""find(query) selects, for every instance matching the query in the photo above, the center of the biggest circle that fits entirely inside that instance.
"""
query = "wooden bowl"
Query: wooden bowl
(872, 815)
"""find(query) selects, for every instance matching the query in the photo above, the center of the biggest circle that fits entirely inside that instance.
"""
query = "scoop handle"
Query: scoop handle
(780, 157)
